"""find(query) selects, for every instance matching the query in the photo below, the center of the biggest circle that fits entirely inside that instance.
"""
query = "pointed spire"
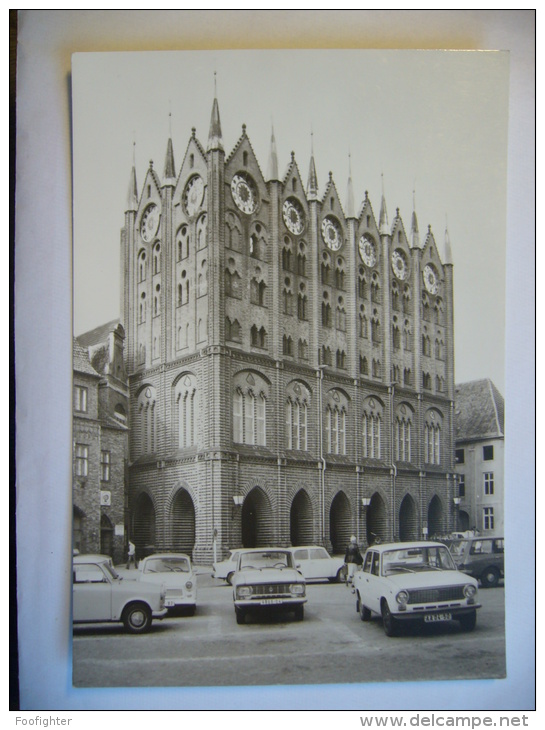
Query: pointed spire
(170, 170)
(383, 226)
(132, 196)
(448, 250)
(272, 170)
(214, 136)
(312, 184)
(415, 235)
(350, 194)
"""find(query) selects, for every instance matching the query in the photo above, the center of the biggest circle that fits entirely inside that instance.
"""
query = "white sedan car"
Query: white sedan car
(315, 563)
(266, 580)
(414, 581)
(225, 569)
(175, 572)
(101, 595)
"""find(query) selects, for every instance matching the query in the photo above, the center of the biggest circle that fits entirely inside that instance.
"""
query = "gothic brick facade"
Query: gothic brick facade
(290, 360)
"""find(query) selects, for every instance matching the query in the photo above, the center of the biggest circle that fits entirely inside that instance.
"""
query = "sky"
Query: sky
(424, 126)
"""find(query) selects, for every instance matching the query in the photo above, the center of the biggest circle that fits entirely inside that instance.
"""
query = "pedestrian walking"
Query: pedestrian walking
(352, 559)
(132, 556)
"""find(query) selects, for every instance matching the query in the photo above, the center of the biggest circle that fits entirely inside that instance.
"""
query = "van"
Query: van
(481, 557)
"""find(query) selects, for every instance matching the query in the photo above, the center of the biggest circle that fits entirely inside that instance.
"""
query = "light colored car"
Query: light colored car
(175, 572)
(101, 595)
(481, 557)
(315, 563)
(225, 569)
(414, 581)
(266, 579)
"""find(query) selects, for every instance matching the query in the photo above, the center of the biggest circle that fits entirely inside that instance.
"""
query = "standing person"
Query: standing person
(352, 559)
(132, 556)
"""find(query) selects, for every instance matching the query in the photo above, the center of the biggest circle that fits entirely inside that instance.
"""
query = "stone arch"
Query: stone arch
(408, 520)
(340, 522)
(143, 525)
(182, 522)
(106, 535)
(377, 520)
(257, 525)
(436, 517)
(301, 519)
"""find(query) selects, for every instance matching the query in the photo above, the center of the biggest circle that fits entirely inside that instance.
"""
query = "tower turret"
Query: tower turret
(350, 192)
(383, 226)
(272, 168)
(312, 185)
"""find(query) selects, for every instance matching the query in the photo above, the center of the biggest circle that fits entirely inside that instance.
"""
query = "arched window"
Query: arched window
(335, 429)
(250, 410)
(371, 434)
(287, 297)
(142, 308)
(364, 365)
(362, 284)
(340, 359)
(395, 297)
(375, 327)
(326, 312)
(302, 260)
(232, 284)
(432, 438)
(287, 345)
(182, 243)
(302, 303)
(202, 224)
(157, 301)
(396, 337)
(375, 290)
(157, 259)
(146, 412)
(340, 274)
(403, 434)
(203, 280)
(186, 410)
(302, 350)
(296, 417)
(142, 266)
(232, 330)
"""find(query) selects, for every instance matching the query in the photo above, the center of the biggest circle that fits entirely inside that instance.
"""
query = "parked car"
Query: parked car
(175, 572)
(316, 563)
(225, 569)
(266, 579)
(481, 557)
(101, 595)
(414, 581)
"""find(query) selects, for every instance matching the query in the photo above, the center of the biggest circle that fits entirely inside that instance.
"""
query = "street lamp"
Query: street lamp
(238, 500)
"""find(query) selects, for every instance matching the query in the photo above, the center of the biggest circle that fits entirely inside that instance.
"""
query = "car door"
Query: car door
(368, 578)
(300, 558)
(319, 563)
(92, 600)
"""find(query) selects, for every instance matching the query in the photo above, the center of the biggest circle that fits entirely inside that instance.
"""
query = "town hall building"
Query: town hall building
(290, 359)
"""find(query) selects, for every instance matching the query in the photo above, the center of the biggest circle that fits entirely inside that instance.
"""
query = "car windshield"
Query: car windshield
(457, 547)
(417, 559)
(265, 559)
(167, 565)
(109, 568)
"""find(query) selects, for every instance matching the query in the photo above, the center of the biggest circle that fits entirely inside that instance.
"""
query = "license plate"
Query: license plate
(270, 601)
(168, 604)
(438, 617)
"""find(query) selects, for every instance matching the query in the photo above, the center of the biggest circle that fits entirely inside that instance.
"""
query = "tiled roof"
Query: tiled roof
(81, 360)
(99, 334)
(479, 411)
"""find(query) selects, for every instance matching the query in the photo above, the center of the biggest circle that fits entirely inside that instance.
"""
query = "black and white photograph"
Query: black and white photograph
(288, 423)
(294, 356)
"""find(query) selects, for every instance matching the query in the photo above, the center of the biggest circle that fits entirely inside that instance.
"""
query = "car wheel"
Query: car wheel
(229, 578)
(241, 616)
(137, 618)
(468, 621)
(365, 613)
(490, 577)
(388, 621)
(299, 613)
(341, 575)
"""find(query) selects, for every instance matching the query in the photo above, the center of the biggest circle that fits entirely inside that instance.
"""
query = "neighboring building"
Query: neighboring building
(100, 442)
(479, 457)
(290, 361)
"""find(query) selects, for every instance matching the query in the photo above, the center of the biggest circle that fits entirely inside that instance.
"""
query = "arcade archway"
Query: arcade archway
(143, 526)
(301, 524)
(436, 524)
(377, 520)
(257, 528)
(408, 520)
(182, 520)
(340, 523)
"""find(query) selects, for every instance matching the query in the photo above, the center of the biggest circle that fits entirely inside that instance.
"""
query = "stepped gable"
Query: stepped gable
(479, 411)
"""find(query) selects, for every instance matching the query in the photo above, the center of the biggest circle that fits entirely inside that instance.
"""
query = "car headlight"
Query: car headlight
(297, 589)
(189, 585)
(470, 592)
(244, 591)
(402, 599)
